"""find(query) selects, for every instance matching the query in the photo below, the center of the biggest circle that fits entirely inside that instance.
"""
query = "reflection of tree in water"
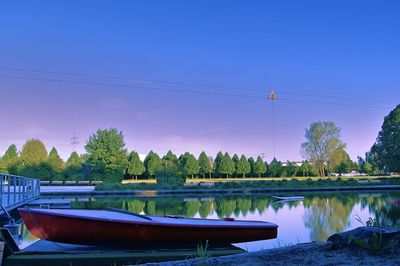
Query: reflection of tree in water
(191, 208)
(134, 205)
(243, 205)
(225, 207)
(206, 208)
(326, 216)
(386, 208)
(261, 204)
(150, 207)
(169, 206)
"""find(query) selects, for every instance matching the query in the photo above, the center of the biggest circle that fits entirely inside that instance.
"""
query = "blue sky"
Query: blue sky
(326, 60)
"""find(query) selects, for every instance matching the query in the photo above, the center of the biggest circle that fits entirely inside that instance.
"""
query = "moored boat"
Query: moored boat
(113, 227)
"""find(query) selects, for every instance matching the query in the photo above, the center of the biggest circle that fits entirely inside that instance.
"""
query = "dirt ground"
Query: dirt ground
(300, 254)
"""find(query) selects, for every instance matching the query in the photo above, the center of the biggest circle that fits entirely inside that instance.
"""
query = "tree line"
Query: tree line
(106, 158)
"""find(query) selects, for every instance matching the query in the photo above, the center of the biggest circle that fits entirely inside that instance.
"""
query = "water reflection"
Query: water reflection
(315, 218)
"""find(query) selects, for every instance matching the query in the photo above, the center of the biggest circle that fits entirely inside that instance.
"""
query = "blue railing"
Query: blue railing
(17, 190)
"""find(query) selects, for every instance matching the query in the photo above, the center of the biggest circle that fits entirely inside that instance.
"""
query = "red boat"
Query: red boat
(118, 227)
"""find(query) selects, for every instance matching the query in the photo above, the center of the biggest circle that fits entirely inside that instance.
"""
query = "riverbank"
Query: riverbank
(355, 247)
(66, 191)
(300, 254)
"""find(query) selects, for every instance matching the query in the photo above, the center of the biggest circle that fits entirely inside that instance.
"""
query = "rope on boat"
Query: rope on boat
(42, 232)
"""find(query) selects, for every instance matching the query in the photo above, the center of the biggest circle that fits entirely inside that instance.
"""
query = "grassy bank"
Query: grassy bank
(249, 184)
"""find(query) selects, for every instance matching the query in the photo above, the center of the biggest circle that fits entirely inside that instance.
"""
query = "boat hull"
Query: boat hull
(81, 230)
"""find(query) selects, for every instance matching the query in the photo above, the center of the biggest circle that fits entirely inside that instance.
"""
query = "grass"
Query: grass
(239, 179)
(253, 184)
(375, 245)
(202, 251)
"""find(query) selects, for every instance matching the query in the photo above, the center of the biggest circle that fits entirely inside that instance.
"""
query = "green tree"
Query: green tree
(74, 159)
(189, 164)
(3, 167)
(171, 159)
(73, 167)
(323, 138)
(11, 160)
(339, 161)
(388, 142)
(291, 169)
(152, 163)
(259, 167)
(135, 165)
(375, 158)
(235, 159)
(218, 163)
(33, 152)
(107, 156)
(55, 161)
(171, 175)
(243, 166)
(306, 168)
(33, 161)
(227, 166)
(252, 164)
(205, 164)
(275, 168)
(11, 153)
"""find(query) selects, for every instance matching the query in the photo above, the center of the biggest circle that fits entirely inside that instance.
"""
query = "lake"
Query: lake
(315, 218)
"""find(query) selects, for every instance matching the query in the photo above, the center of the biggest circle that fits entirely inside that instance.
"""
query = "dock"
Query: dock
(45, 253)
(16, 191)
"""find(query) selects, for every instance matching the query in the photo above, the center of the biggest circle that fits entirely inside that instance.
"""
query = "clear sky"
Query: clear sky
(76, 66)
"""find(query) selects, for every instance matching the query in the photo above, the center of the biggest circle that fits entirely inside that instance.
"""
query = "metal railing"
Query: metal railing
(16, 190)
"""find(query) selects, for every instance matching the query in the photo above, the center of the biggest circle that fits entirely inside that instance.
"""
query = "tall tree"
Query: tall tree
(227, 166)
(55, 161)
(252, 164)
(205, 164)
(152, 163)
(189, 164)
(275, 168)
(74, 159)
(10, 153)
(11, 162)
(33, 152)
(135, 165)
(170, 160)
(3, 167)
(291, 169)
(305, 168)
(387, 146)
(243, 166)
(33, 161)
(73, 167)
(340, 162)
(323, 138)
(259, 166)
(107, 156)
(235, 159)
(218, 163)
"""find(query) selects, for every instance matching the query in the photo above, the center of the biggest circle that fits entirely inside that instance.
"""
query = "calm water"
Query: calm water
(313, 219)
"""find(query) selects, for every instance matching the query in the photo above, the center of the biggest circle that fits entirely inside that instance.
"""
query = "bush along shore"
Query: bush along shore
(367, 245)
(262, 184)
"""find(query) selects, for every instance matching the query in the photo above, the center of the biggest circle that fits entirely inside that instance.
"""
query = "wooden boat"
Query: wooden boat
(118, 227)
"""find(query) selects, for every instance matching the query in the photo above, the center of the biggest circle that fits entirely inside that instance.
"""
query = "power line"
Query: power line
(130, 86)
(196, 91)
(332, 97)
(335, 103)
(131, 79)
